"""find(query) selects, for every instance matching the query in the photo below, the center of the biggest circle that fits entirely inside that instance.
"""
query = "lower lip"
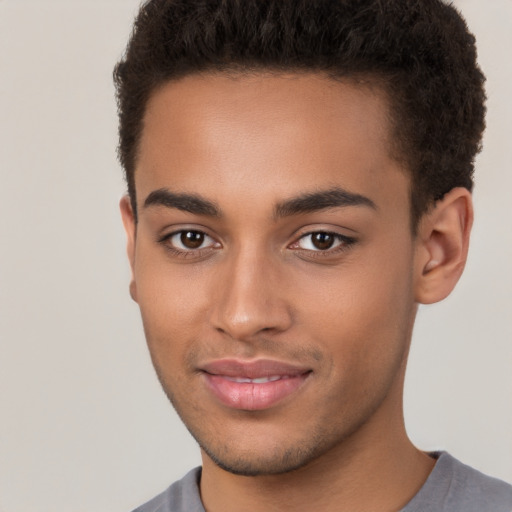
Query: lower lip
(253, 397)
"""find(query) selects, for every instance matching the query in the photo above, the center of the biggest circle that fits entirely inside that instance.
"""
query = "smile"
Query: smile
(261, 380)
(253, 386)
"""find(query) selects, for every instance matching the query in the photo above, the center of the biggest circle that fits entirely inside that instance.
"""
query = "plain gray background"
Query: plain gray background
(84, 425)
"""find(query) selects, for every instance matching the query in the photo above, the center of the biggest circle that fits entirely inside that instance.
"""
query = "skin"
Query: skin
(257, 287)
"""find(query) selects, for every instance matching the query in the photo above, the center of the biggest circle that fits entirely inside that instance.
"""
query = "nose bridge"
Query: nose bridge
(250, 298)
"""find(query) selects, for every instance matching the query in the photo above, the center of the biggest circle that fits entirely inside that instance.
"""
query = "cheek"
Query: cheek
(171, 301)
(363, 310)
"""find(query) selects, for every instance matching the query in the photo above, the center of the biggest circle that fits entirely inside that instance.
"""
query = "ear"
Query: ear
(130, 227)
(442, 246)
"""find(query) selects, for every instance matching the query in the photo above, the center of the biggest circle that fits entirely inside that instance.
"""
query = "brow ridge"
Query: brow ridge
(190, 203)
(324, 199)
(305, 203)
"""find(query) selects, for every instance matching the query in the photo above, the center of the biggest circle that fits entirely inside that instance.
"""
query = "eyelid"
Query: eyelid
(178, 234)
(166, 240)
(346, 242)
(173, 229)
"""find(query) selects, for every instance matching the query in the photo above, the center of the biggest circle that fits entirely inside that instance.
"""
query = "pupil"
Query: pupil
(192, 239)
(323, 240)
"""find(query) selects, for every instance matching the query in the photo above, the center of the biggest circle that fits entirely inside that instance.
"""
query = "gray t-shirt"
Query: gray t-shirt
(451, 487)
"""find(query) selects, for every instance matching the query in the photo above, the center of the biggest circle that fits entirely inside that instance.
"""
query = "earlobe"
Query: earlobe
(442, 246)
(130, 229)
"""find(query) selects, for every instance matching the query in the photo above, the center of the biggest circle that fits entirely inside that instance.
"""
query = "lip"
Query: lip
(253, 385)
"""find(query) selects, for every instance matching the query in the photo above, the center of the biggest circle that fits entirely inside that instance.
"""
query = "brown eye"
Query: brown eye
(192, 239)
(189, 240)
(322, 241)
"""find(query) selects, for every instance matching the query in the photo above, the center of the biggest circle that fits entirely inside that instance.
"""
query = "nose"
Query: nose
(251, 301)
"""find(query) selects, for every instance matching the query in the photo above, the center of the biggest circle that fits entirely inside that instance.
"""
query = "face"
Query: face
(273, 264)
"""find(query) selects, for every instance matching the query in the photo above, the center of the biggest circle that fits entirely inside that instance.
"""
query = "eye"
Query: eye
(322, 241)
(189, 240)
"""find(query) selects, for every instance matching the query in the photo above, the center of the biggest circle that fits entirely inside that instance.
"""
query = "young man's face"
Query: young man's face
(274, 267)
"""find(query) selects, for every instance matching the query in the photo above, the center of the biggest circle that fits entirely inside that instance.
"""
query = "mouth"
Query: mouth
(253, 385)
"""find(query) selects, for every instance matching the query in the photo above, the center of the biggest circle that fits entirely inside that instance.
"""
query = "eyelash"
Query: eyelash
(190, 253)
(344, 244)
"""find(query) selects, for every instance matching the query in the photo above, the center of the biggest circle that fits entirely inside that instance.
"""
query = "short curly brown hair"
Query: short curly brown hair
(419, 51)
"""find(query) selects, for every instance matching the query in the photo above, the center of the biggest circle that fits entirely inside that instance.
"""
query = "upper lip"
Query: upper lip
(253, 369)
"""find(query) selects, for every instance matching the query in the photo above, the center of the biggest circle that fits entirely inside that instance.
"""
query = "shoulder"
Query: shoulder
(453, 486)
(181, 496)
(474, 490)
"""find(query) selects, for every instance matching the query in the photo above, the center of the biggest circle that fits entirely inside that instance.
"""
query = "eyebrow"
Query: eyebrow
(306, 203)
(324, 199)
(190, 203)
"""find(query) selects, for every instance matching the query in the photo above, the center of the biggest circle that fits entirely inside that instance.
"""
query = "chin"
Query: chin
(257, 465)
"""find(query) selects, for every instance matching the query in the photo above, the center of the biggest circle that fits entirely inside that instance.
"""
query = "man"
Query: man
(299, 178)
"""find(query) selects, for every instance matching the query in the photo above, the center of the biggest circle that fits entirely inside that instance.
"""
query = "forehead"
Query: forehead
(272, 135)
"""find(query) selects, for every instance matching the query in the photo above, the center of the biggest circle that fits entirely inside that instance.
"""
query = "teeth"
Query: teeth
(238, 379)
(260, 380)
